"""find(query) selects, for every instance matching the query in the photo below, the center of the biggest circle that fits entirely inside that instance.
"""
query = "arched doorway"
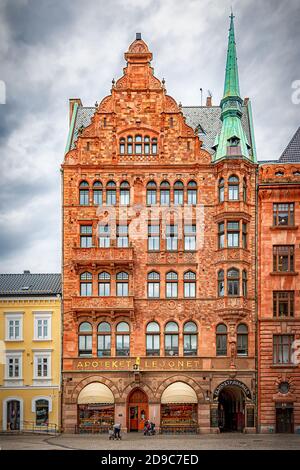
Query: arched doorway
(179, 409)
(138, 410)
(96, 408)
(13, 415)
(231, 409)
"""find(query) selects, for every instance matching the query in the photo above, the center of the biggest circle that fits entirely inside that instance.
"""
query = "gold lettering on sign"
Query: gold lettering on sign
(115, 364)
(146, 364)
(180, 364)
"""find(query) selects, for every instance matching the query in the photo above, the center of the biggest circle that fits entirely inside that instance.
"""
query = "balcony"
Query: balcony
(102, 304)
(112, 256)
(233, 306)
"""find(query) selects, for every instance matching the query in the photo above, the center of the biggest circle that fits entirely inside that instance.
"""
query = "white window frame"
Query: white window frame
(37, 355)
(42, 316)
(13, 354)
(13, 317)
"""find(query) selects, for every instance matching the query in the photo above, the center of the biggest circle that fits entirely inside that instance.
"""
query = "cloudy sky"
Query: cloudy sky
(51, 50)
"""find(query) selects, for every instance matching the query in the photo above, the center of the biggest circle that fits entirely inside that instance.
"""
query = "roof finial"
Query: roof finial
(232, 15)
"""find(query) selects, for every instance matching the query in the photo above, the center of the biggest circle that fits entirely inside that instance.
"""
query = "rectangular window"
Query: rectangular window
(233, 234)
(122, 236)
(233, 192)
(192, 197)
(152, 345)
(282, 349)
(283, 214)
(189, 289)
(104, 345)
(85, 289)
(190, 237)
(178, 197)
(283, 258)
(242, 344)
(122, 289)
(85, 345)
(221, 344)
(42, 363)
(104, 236)
(111, 198)
(190, 345)
(42, 326)
(171, 289)
(86, 236)
(283, 304)
(244, 235)
(153, 238)
(171, 237)
(221, 235)
(97, 196)
(165, 197)
(151, 197)
(13, 369)
(104, 289)
(14, 327)
(122, 345)
(84, 197)
(153, 290)
(171, 345)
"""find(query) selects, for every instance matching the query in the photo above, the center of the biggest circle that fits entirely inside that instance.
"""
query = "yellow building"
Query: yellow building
(30, 351)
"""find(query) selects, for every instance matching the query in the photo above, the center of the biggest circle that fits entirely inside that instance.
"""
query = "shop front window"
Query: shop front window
(41, 412)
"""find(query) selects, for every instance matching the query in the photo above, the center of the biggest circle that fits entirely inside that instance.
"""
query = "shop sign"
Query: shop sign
(232, 383)
(144, 364)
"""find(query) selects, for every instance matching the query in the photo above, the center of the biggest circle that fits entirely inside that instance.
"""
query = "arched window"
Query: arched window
(221, 340)
(233, 282)
(233, 188)
(221, 285)
(151, 193)
(123, 339)
(146, 145)
(86, 284)
(221, 191)
(85, 337)
(192, 193)
(104, 284)
(154, 146)
(171, 339)
(244, 189)
(171, 284)
(178, 193)
(41, 412)
(104, 339)
(245, 282)
(122, 146)
(165, 193)
(153, 285)
(129, 145)
(122, 284)
(242, 340)
(124, 193)
(97, 193)
(111, 193)
(189, 279)
(84, 193)
(138, 145)
(153, 339)
(190, 339)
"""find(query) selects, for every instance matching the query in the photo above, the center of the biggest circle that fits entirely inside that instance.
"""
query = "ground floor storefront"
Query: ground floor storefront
(29, 408)
(178, 402)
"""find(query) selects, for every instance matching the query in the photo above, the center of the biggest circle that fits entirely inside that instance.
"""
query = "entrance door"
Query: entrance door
(231, 410)
(284, 420)
(13, 415)
(137, 410)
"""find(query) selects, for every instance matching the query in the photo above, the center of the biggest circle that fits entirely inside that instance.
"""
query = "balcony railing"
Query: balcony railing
(102, 256)
(102, 303)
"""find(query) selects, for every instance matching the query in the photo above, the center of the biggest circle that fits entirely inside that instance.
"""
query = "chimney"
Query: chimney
(209, 101)
(72, 102)
(26, 271)
(138, 36)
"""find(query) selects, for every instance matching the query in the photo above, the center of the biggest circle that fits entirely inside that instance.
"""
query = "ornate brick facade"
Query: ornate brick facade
(279, 300)
(171, 151)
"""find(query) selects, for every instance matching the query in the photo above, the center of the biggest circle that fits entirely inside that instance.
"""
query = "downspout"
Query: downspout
(62, 297)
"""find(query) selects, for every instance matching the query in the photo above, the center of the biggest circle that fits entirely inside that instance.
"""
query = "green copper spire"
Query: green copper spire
(231, 85)
(232, 141)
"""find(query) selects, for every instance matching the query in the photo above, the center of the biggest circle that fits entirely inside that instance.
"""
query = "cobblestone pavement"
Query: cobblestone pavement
(138, 441)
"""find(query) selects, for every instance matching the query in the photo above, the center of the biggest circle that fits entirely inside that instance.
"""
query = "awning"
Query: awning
(95, 393)
(179, 392)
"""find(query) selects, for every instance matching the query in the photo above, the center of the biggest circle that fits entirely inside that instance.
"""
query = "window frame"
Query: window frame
(289, 298)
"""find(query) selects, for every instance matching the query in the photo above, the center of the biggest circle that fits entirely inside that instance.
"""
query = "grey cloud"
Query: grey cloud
(51, 50)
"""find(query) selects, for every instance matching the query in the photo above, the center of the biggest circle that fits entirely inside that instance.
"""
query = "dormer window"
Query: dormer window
(233, 141)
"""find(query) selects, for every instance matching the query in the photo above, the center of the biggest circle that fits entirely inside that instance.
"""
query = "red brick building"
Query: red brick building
(159, 250)
(279, 299)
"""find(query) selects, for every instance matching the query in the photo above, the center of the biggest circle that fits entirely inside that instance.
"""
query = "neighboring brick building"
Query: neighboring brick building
(279, 299)
(159, 326)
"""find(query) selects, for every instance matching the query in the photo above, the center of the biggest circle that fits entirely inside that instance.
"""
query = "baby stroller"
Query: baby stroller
(149, 429)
